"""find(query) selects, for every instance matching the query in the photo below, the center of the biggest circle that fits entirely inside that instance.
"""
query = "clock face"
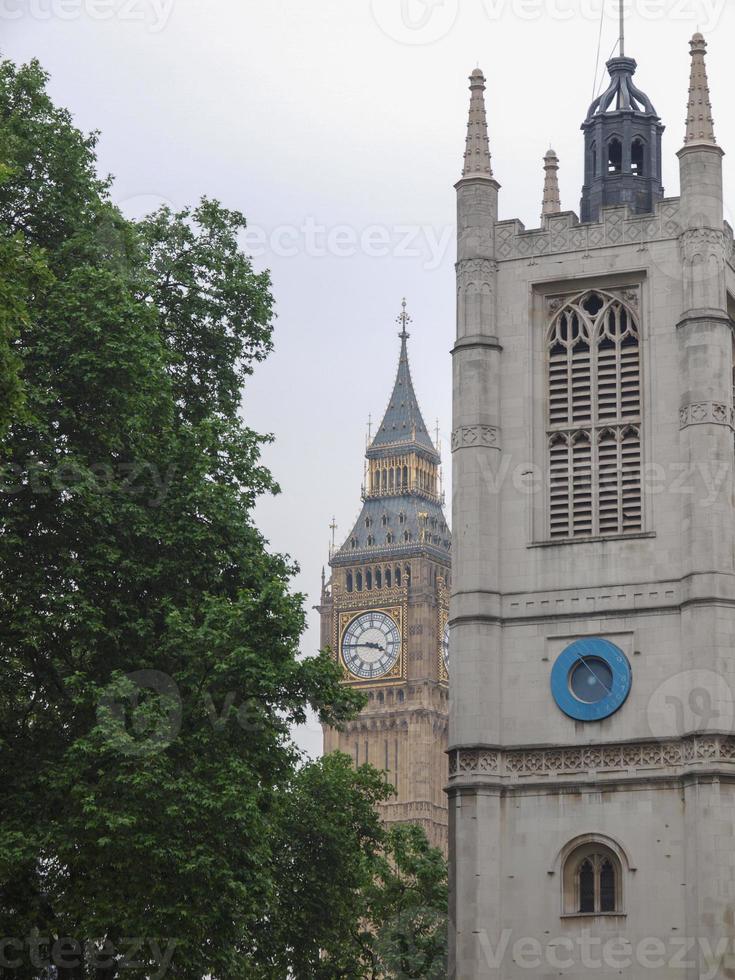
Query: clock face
(591, 680)
(371, 645)
(445, 647)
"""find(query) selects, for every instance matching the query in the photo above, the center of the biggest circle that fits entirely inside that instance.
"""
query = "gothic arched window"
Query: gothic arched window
(593, 881)
(348, 582)
(388, 578)
(398, 576)
(368, 580)
(615, 156)
(358, 581)
(638, 158)
(594, 419)
(378, 579)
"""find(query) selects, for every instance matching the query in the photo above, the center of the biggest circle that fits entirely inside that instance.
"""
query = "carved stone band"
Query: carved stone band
(509, 766)
(703, 413)
(472, 436)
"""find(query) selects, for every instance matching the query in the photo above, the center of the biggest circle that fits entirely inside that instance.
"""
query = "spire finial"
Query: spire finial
(700, 124)
(477, 161)
(333, 528)
(404, 319)
(552, 199)
(622, 28)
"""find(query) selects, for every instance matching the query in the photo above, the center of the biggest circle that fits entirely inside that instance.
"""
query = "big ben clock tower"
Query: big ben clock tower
(384, 614)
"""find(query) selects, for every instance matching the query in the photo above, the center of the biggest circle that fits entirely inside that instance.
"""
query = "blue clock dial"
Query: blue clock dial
(591, 680)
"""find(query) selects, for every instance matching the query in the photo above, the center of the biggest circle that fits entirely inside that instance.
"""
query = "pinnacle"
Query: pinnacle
(700, 124)
(477, 160)
(552, 199)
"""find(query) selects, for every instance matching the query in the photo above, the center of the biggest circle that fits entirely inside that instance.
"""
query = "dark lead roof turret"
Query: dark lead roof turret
(622, 140)
(403, 425)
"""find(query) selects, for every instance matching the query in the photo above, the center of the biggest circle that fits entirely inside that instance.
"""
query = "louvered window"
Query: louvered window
(594, 419)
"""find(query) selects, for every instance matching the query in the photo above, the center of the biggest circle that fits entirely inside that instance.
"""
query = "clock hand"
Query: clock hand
(599, 680)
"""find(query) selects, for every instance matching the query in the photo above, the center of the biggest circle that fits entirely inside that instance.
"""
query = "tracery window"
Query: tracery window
(593, 881)
(594, 419)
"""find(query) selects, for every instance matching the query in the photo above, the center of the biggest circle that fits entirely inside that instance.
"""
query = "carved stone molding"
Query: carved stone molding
(706, 413)
(472, 436)
(592, 759)
(699, 241)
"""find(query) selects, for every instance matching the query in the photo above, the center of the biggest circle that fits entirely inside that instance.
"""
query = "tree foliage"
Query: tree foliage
(154, 804)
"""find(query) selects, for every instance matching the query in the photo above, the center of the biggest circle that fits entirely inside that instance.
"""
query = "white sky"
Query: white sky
(337, 127)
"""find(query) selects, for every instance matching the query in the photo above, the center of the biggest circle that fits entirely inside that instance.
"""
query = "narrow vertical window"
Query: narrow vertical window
(607, 887)
(593, 419)
(615, 156)
(638, 158)
(587, 887)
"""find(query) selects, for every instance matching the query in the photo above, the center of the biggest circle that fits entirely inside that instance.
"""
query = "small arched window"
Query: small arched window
(638, 158)
(358, 581)
(370, 540)
(388, 579)
(389, 538)
(384, 520)
(407, 573)
(353, 543)
(378, 579)
(398, 576)
(348, 582)
(368, 579)
(593, 881)
(615, 156)
(407, 536)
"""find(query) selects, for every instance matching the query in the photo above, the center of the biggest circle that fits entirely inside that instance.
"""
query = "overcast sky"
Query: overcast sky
(337, 127)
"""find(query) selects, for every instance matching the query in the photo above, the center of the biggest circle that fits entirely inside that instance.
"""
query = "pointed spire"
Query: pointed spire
(477, 161)
(700, 124)
(403, 422)
(552, 199)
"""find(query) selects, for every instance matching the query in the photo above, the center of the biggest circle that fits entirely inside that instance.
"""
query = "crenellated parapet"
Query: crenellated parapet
(565, 233)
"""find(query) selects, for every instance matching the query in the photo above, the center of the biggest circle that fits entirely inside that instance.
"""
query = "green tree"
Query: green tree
(148, 638)
(352, 899)
(407, 901)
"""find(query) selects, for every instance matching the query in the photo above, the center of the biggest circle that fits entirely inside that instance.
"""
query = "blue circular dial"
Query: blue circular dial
(591, 680)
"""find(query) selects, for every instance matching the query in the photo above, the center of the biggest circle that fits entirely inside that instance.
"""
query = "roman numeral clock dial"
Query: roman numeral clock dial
(371, 645)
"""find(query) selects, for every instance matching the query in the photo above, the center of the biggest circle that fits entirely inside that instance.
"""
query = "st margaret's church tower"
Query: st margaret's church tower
(592, 746)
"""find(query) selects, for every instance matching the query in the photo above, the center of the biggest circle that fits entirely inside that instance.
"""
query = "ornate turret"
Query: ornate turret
(402, 498)
(622, 138)
(552, 199)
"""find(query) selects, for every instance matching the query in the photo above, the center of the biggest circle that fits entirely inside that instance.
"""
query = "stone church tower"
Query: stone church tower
(592, 756)
(384, 613)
